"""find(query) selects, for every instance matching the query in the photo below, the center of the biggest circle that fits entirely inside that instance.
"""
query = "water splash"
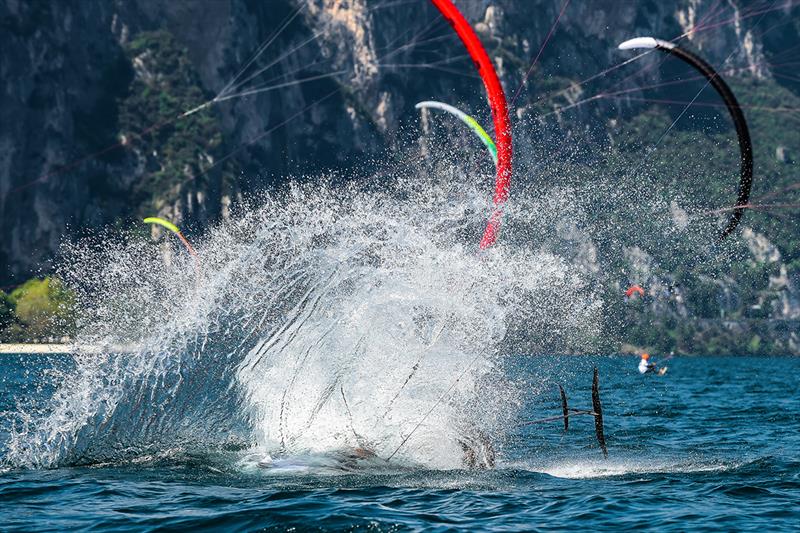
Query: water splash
(330, 316)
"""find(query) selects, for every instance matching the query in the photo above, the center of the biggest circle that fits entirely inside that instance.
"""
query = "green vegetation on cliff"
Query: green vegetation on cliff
(741, 296)
(38, 310)
(175, 152)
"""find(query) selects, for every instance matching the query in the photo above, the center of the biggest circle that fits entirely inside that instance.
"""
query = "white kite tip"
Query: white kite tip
(639, 42)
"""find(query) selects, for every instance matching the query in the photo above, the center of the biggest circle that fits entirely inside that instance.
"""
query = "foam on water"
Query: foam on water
(589, 469)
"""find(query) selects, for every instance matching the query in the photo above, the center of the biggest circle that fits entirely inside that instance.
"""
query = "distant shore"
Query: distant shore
(19, 348)
(59, 348)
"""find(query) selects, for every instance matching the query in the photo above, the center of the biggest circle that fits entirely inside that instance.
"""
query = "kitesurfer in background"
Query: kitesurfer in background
(645, 365)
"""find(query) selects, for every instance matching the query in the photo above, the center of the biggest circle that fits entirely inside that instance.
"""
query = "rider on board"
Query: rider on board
(645, 365)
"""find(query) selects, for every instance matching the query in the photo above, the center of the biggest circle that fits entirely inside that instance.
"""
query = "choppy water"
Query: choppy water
(714, 444)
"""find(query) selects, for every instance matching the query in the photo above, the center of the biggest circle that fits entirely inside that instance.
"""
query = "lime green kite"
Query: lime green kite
(174, 229)
(466, 119)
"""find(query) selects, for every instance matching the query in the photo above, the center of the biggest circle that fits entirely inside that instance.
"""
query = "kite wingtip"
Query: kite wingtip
(428, 103)
(164, 223)
(639, 42)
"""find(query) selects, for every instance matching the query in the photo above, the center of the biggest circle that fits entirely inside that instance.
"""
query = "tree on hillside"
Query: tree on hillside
(44, 308)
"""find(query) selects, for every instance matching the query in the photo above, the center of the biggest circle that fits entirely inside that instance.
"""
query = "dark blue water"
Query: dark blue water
(714, 444)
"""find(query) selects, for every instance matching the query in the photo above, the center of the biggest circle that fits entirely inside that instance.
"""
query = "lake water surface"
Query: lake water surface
(714, 444)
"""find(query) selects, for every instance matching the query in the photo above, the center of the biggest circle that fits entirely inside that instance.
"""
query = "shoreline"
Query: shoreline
(59, 348)
(73, 349)
(26, 348)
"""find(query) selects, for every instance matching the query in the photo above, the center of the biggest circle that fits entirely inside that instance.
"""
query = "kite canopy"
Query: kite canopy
(497, 101)
(634, 289)
(742, 132)
(466, 119)
(174, 229)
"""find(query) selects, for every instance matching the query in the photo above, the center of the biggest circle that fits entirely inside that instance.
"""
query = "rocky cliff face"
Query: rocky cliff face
(59, 71)
(339, 81)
